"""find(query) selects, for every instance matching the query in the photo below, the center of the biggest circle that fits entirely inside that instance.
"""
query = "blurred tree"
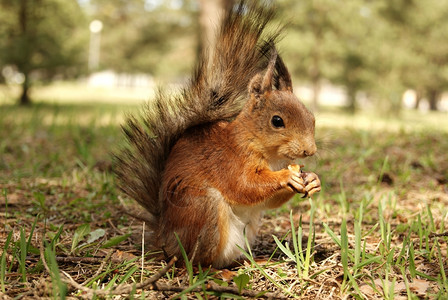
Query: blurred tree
(139, 36)
(378, 47)
(353, 41)
(341, 44)
(312, 40)
(426, 38)
(41, 38)
(373, 54)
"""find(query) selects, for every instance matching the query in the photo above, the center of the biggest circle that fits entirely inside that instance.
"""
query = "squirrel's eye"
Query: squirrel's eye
(277, 122)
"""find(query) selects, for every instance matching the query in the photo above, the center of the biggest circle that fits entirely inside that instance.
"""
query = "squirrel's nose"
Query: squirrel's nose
(311, 150)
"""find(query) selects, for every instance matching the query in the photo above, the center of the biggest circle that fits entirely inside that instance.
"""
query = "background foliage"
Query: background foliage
(42, 39)
(373, 49)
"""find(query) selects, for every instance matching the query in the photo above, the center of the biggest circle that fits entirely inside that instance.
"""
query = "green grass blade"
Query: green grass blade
(332, 234)
(426, 276)
(128, 274)
(382, 229)
(31, 233)
(285, 250)
(357, 246)
(406, 283)
(23, 253)
(115, 240)
(109, 270)
(59, 287)
(190, 288)
(111, 283)
(55, 239)
(295, 241)
(79, 234)
(5, 194)
(442, 268)
(309, 245)
(375, 259)
(3, 261)
(431, 219)
(354, 284)
(344, 249)
(371, 230)
(412, 269)
(299, 241)
(188, 263)
(403, 250)
(420, 231)
(266, 275)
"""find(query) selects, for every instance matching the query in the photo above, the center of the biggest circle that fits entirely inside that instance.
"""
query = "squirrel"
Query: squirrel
(206, 162)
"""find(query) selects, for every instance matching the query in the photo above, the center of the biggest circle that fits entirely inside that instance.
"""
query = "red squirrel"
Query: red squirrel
(205, 163)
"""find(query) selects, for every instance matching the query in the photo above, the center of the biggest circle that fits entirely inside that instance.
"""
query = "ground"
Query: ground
(377, 230)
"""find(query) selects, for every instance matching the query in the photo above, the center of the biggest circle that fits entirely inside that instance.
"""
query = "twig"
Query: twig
(432, 235)
(124, 289)
(42, 257)
(143, 250)
(115, 227)
(154, 285)
(120, 289)
(76, 259)
(44, 262)
(213, 287)
(4, 296)
(89, 292)
(105, 261)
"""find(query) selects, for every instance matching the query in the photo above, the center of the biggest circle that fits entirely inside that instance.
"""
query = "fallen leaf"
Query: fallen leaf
(95, 235)
(12, 199)
(419, 286)
(367, 290)
(227, 275)
(122, 256)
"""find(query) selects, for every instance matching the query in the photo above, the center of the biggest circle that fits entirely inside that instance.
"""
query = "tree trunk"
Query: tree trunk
(24, 67)
(315, 72)
(25, 98)
(316, 93)
(433, 98)
(315, 76)
(351, 97)
(210, 16)
(418, 98)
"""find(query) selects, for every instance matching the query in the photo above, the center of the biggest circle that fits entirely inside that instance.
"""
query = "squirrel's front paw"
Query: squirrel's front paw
(296, 182)
(311, 182)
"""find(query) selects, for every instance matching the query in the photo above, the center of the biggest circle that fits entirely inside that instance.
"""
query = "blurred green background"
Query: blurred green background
(382, 55)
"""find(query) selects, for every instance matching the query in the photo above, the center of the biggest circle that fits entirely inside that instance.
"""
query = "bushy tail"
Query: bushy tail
(217, 91)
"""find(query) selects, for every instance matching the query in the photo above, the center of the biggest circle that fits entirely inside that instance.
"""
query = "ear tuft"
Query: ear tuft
(283, 78)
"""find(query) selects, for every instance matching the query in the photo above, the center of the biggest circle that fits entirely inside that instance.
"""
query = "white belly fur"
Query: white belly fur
(243, 222)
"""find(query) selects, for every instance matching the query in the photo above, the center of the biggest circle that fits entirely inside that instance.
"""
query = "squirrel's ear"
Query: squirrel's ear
(262, 84)
(283, 79)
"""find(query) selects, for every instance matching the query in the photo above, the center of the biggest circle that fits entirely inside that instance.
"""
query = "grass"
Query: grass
(377, 230)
